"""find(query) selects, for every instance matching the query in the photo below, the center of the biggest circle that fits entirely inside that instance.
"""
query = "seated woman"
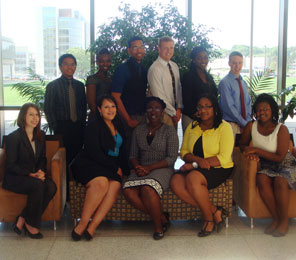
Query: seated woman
(196, 82)
(154, 151)
(99, 166)
(206, 149)
(270, 143)
(25, 170)
(100, 83)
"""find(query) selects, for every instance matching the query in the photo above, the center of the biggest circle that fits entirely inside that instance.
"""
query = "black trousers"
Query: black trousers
(39, 194)
(72, 134)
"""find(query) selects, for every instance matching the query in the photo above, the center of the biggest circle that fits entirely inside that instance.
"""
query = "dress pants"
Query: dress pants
(39, 194)
(72, 134)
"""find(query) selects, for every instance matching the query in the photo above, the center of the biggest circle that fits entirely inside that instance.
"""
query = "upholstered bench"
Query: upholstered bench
(179, 210)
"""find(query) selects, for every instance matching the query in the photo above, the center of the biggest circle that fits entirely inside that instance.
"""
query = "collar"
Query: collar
(163, 62)
(134, 62)
(231, 75)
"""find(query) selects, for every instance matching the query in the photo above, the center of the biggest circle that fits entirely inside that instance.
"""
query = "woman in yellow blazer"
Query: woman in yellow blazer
(206, 149)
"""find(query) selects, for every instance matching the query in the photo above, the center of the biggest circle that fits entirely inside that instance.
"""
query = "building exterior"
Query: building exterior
(8, 57)
(58, 31)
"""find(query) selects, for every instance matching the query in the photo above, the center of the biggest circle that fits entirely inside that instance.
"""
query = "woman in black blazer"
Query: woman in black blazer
(196, 82)
(99, 166)
(25, 170)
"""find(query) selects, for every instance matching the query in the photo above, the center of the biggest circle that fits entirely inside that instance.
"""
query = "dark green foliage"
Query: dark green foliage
(32, 91)
(259, 84)
(151, 24)
(289, 109)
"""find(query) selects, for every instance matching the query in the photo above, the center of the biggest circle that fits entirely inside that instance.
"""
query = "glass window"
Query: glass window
(35, 34)
(291, 51)
(230, 23)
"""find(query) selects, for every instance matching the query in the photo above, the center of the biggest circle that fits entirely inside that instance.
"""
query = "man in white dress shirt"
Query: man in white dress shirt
(164, 81)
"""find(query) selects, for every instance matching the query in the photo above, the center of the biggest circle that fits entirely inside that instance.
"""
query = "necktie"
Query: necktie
(73, 115)
(173, 82)
(242, 98)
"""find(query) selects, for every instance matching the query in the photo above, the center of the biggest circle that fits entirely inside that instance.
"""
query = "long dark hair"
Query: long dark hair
(21, 121)
(117, 121)
(273, 105)
(216, 108)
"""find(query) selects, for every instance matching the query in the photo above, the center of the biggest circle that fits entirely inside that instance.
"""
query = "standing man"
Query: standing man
(235, 101)
(164, 81)
(65, 107)
(129, 85)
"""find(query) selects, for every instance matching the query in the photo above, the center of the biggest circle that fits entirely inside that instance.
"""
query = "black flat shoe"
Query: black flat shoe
(204, 232)
(158, 235)
(277, 233)
(15, 228)
(34, 236)
(76, 236)
(88, 236)
(166, 225)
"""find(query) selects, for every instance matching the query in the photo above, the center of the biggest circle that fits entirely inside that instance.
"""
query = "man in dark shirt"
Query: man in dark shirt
(65, 107)
(129, 84)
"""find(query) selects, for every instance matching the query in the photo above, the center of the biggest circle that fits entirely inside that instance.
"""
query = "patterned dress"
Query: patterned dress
(164, 146)
(285, 169)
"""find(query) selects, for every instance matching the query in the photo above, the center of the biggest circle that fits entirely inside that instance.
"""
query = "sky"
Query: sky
(230, 18)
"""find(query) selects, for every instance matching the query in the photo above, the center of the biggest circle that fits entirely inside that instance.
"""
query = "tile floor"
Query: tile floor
(133, 241)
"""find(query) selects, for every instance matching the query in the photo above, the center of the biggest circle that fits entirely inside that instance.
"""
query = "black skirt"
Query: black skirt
(85, 169)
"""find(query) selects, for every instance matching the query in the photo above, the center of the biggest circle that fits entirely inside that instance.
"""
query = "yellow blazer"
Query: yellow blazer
(215, 142)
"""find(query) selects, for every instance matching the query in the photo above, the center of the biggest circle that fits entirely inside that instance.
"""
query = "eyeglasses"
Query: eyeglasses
(69, 64)
(203, 107)
(149, 110)
(136, 48)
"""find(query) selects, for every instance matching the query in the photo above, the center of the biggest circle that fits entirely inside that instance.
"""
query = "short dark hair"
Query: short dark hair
(133, 39)
(103, 51)
(216, 108)
(21, 120)
(235, 53)
(100, 99)
(273, 105)
(196, 50)
(65, 56)
(156, 99)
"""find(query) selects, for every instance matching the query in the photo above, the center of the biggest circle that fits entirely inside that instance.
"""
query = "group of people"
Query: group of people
(130, 140)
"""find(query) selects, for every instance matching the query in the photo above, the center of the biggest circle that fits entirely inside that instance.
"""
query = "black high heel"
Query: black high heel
(15, 228)
(166, 225)
(87, 235)
(204, 232)
(76, 236)
(158, 235)
(34, 236)
(224, 213)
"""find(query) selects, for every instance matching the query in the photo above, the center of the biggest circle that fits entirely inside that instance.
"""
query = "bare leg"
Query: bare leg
(152, 202)
(281, 192)
(96, 190)
(104, 207)
(197, 187)
(132, 195)
(20, 222)
(265, 185)
(178, 185)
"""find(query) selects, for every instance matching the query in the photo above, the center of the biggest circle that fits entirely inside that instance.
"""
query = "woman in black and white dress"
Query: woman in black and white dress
(154, 151)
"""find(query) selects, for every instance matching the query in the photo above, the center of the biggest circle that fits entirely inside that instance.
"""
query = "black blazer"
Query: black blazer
(192, 89)
(97, 142)
(20, 157)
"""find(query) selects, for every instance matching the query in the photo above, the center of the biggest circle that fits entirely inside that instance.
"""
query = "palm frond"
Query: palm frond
(259, 84)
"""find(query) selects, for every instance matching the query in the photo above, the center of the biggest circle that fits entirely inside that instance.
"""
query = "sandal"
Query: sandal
(204, 232)
(224, 213)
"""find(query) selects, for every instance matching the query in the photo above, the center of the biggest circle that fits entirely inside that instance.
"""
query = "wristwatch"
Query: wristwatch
(195, 165)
